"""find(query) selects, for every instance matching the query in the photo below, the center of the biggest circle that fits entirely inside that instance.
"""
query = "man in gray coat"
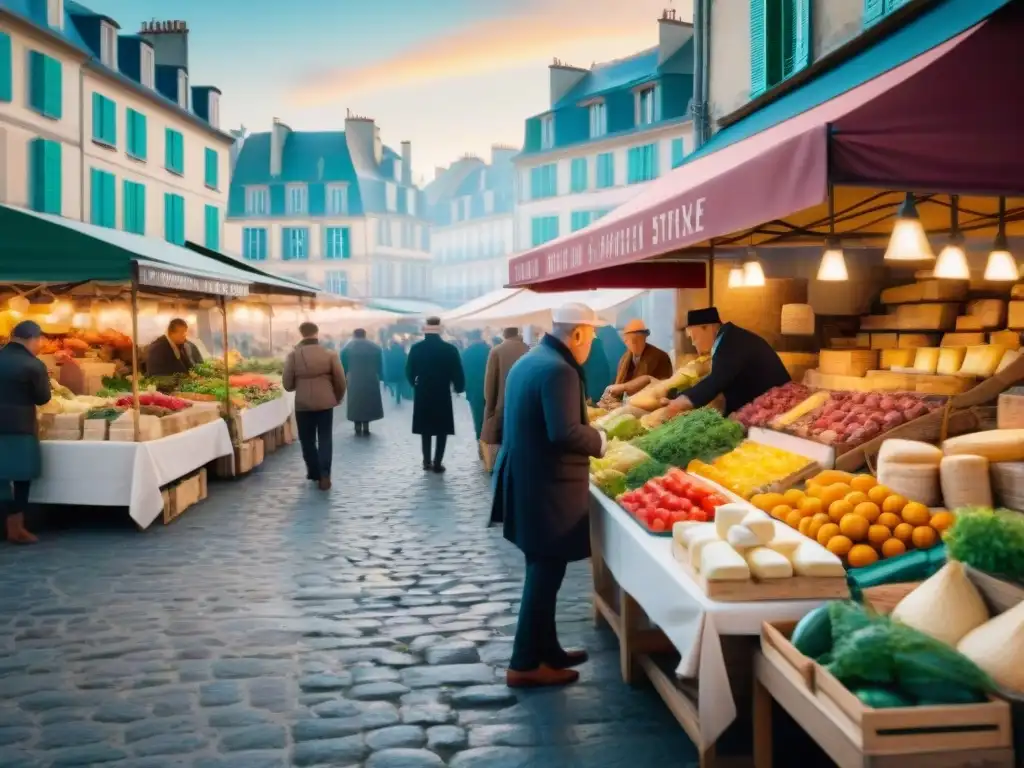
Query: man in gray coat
(541, 487)
(363, 362)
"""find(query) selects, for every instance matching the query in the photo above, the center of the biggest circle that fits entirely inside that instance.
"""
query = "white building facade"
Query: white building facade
(105, 127)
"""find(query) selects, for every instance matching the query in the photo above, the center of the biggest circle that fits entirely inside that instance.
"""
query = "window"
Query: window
(581, 220)
(183, 89)
(579, 175)
(605, 170)
(257, 201)
(336, 282)
(102, 196)
(780, 41)
(55, 13)
(547, 132)
(455, 209)
(254, 243)
(294, 242)
(544, 228)
(134, 202)
(137, 141)
(147, 66)
(390, 196)
(45, 180)
(678, 152)
(108, 45)
(211, 168)
(6, 68)
(337, 243)
(543, 181)
(876, 10)
(46, 90)
(410, 201)
(598, 119)
(296, 198)
(104, 120)
(174, 219)
(488, 202)
(174, 153)
(213, 112)
(645, 107)
(643, 164)
(337, 200)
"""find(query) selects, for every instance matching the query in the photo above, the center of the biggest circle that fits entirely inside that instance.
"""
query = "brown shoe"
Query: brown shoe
(16, 531)
(325, 483)
(571, 659)
(541, 677)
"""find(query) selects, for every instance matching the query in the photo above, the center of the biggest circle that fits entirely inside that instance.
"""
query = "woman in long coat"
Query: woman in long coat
(434, 370)
(363, 362)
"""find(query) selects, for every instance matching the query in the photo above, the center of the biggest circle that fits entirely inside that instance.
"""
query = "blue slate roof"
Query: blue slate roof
(478, 178)
(623, 73)
(81, 31)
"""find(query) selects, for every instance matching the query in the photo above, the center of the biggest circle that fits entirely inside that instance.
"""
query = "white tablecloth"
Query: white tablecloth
(126, 474)
(644, 567)
(263, 418)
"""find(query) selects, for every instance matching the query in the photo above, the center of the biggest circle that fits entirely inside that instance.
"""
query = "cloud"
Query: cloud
(536, 32)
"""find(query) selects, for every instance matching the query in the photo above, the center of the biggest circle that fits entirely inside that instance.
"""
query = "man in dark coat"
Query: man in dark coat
(363, 362)
(474, 366)
(743, 365)
(172, 354)
(24, 386)
(434, 370)
(541, 487)
(394, 368)
(597, 369)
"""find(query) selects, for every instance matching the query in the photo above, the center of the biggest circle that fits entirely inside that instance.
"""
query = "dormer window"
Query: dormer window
(213, 116)
(108, 45)
(55, 13)
(547, 132)
(147, 66)
(645, 106)
(183, 89)
(598, 119)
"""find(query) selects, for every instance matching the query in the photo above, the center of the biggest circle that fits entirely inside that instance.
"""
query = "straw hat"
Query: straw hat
(636, 325)
(433, 325)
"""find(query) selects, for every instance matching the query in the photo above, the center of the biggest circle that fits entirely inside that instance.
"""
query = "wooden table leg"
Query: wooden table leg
(629, 613)
(600, 576)
(762, 726)
(707, 757)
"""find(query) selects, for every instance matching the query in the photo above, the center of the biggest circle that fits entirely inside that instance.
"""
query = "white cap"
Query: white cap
(575, 314)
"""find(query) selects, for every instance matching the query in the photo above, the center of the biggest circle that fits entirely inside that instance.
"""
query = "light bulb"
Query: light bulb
(242, 313)
(908, 241)
(1001, 267)
(753, 274)
(18, 305)
(736, 277)
(952, 263)
(833, 264)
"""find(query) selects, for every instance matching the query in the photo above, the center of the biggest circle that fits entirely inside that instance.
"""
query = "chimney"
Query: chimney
(563, 79)
(239, 135)
(439, 171)
(169, 40)
(407, 162)
(502, 154)
(278, 136)
(364, 146)
(673, 34)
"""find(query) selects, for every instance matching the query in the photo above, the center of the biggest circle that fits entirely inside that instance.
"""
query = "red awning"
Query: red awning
(786, 169)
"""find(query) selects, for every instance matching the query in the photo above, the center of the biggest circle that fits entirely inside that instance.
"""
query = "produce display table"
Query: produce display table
(266, 417)
(636, 577)
(113, 474)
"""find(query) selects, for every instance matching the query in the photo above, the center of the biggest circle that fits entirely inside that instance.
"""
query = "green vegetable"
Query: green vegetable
(813, 634)
(107, 414)
(701, 434)
(624, 427)
(116, 384)
(865, 657)
(644, 471)
(845, 618)
(989, 540)
(611, 482)
(881, 698)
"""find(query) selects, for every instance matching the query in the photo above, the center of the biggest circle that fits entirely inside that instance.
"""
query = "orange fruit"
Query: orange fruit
(893, 547)
(879, 534)
(904, 532)
(942, 520)
(817, 521)
(839, 509)
(805, 526)
(861, 555)
(924, 537)
(868, 510)
(856, 497)
(863, 483)
(781, 512)
(813, 490)
(793, 497)
(826, 532)
(889, 520)
(894, 504)
(879, 494)
(916, 514)
(757, 500)
(810, 506)
(854, 527)
(793, 519)
(839, 545)
(834, 492)
(768, 501)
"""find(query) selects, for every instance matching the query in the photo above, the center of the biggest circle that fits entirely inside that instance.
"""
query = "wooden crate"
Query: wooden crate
(258, 453)
(847, 362)
(775, 643)
(289, 432)
(182, 495)
(204, 485)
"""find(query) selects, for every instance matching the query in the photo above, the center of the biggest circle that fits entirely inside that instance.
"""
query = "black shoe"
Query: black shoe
(427, 466)
(359, 428)
(366, 430)
(438, 467)
(569, 659)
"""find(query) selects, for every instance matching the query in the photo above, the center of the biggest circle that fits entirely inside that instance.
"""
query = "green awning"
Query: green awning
(259, 277)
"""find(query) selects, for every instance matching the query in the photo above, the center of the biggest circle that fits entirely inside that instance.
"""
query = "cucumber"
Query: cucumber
(813, 634)
(940, 692)
(881, 698)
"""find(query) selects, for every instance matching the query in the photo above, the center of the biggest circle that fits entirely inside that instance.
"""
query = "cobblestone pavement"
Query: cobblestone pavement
(274, 625)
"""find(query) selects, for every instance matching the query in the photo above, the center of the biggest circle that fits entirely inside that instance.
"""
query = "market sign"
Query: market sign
(156, 277)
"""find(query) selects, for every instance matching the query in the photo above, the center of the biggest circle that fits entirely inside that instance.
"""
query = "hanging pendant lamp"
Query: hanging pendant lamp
(753, 273)
(952, 261)
(1001, 266)
(908, 241)
(833, 263)
(736, 277)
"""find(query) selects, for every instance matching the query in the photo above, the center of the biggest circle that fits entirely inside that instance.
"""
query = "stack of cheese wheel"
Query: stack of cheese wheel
(965, 467)
(911, 469)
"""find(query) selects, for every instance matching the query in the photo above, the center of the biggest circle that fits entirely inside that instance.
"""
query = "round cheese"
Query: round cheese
(917, 482)
(909, 452)
(965, 482)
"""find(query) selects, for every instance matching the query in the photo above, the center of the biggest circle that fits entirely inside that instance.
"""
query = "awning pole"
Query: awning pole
(711, 275)
(136, 407)
(227, 364)
(270, 322)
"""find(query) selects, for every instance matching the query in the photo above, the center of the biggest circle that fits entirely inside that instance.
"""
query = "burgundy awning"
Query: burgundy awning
(928, 124)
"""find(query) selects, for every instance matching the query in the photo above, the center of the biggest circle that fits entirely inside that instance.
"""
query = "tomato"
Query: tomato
(685, 505)
(719, 499)
(673, 486)
(679, 517)
(699, 516)
(671, 503)
(708, 504)
(643, 517)
(658, 525)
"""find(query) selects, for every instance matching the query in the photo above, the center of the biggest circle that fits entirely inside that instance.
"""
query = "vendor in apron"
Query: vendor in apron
(743, 365)
(641, 364)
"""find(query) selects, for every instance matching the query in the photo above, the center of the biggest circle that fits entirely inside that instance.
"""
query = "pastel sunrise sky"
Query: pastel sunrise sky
(452, 76)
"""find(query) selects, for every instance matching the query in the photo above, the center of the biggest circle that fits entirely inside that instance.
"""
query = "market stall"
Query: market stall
(479, 304)
(534, 309)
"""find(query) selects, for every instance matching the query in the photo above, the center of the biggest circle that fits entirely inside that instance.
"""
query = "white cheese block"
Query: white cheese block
(699, 541)
(741, 537)
(683, 531)
(728, 515)
(812, 559)
(720, 562)
(965, 481)
(917, 482)
(766, 563)
(785, 540)
(760, 524)
(909, 452)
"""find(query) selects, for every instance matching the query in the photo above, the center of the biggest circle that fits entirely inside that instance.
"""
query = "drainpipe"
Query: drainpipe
(702, 58)
(81, 144)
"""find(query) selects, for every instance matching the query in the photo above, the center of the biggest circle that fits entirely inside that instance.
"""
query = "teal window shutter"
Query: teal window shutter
(346, 243)
(137, 141)
(581, 220)
(758, 48)
(37, 81)
(892, 5)
(103, 195)
(45, 188)
(634, 168)
(873, 11)
(174, 218)
(798, 36)
(211, 168)
(104, 120)
(212, 228)
(6, 68)
(579, 174)
(54, 79)
(134, 204)
(254, 243)
(175, 152)
(678, 152)
(605, 170)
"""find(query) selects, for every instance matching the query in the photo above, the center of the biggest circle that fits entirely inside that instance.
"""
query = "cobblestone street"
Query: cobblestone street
(273, 625)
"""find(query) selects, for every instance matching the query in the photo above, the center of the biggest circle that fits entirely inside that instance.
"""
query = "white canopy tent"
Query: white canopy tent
(479, 304)
(529, 308)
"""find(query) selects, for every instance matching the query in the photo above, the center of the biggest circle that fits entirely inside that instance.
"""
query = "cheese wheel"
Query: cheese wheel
(965, 482)
(909, 452)
(994, 445)
(926, 359)
(916, 482)
(982, 360)
(950, 360)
